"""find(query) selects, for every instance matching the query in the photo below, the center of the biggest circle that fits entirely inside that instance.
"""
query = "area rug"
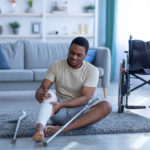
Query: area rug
(114, 123)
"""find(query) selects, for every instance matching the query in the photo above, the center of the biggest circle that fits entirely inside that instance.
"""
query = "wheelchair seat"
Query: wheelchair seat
(140, 71)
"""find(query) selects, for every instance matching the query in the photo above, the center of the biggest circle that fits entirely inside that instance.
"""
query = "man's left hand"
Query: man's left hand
(56, 107)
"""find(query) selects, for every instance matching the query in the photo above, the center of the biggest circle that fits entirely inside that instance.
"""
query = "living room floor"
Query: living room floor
(136, 141)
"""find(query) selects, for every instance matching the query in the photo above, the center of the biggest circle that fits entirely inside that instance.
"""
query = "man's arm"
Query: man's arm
(42, 91)
(86, 94)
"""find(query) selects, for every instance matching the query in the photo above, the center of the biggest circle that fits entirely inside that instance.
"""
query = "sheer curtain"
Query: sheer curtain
(133, 18)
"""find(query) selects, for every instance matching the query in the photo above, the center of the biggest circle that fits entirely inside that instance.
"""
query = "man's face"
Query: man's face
(76, 55)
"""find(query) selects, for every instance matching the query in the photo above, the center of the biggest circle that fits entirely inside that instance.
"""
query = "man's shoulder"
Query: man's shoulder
(59, 62)
(90, 66)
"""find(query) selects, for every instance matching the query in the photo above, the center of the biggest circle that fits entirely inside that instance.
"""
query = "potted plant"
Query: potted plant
(89, 8)
(15, 27)
(30, 5)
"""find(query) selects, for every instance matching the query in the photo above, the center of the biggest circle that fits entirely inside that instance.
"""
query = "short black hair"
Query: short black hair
(82, 42)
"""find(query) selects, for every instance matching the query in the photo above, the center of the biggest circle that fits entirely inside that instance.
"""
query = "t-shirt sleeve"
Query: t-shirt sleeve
(92, 78)
(51, 73)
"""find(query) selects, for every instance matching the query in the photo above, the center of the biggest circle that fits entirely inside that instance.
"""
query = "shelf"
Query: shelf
(40, 36)
(69, 36)
(47, 14)
(72, 21)
(21, 14)
(20, 36)
(69, 14)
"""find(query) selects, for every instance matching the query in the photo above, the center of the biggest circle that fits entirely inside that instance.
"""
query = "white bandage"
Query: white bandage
(45, 109)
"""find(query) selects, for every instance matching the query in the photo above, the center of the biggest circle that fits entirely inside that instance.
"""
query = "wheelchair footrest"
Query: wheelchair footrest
(135, 107)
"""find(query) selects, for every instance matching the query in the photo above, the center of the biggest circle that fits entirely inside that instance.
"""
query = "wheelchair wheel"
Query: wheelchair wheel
(121, 82)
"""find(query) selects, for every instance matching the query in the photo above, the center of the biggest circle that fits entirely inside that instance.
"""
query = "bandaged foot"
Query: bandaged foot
(44, 113)
(50, 130)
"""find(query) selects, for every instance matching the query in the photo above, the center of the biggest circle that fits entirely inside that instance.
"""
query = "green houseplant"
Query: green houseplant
(15, 27)
(89, 8)
(30, 5)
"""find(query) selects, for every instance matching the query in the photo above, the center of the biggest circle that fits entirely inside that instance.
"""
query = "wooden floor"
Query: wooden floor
(97, 142)
(138, 141)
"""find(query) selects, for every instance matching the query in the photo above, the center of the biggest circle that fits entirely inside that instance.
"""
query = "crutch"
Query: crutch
(23, 116)
(45, 143)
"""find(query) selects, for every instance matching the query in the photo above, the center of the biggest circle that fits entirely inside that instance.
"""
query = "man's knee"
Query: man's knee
(53, 97)
(106, 106)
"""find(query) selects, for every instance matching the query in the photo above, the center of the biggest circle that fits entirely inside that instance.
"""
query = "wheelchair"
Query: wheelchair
(137, 63)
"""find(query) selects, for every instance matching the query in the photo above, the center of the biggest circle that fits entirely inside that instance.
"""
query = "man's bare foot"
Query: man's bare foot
(38, 136)
(50, 130)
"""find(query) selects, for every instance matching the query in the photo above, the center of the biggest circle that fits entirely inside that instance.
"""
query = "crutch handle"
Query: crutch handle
(23, 116)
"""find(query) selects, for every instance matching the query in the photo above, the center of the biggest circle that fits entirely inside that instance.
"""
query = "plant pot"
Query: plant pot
(15, 30)
(89, 10)
(29, 10)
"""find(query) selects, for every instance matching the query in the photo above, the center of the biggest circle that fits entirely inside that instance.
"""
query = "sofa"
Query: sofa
(29, 61)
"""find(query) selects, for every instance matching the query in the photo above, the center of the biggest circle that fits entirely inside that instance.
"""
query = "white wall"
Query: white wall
(133, 18)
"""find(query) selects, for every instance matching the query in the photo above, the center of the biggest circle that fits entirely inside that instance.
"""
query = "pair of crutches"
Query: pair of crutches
(23, 116)
(45, 143)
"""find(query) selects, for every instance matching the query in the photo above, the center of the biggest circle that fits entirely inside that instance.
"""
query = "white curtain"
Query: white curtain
(133, 19)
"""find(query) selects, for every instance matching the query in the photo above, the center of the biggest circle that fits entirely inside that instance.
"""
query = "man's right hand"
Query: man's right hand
(42, 94)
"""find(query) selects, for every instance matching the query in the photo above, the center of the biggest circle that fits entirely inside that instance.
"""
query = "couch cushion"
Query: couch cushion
(39, 74)
(14, 54)
(101, 71)
(16, 75)
(40, 55)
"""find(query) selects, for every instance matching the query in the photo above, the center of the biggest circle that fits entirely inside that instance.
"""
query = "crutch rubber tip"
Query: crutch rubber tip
(44, 143)
(13, 141)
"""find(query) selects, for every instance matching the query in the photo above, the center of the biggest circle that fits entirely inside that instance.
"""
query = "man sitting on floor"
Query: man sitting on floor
(75, 83)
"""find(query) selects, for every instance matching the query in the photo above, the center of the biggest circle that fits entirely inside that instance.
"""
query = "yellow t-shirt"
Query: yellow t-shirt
(69, 81)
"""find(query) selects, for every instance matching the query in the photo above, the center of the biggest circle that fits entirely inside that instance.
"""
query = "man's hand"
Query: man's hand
(42, 94)
(56, 107)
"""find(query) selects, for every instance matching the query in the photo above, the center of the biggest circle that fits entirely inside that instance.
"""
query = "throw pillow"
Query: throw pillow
(91, 56)
(3, 61)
